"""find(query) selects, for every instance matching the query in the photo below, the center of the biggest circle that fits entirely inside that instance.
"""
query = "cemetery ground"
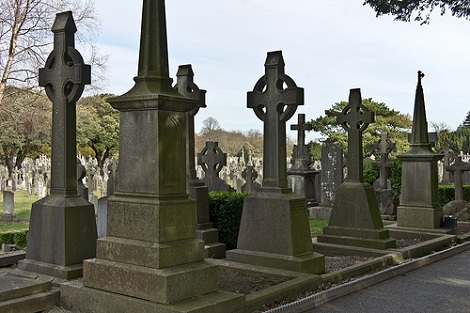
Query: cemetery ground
(266, 288)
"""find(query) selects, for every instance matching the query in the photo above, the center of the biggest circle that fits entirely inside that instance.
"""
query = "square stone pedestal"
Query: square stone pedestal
(274, 232)
(355, 219)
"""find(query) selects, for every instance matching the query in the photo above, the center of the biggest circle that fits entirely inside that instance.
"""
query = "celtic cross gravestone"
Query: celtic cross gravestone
(196, 188)
(62, 230)
(212, 159)
(274, 230)
(384, 146)
(301, 157)
(355, 219)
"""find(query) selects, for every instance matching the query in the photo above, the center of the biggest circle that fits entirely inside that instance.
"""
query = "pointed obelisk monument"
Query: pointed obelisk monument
(419, 206)
(150, 260)
(355, 219)
(62, 230)
(274, 230)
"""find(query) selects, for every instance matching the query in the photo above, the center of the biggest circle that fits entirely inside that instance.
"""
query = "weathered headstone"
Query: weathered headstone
(149, 260)
(331, 173)
(301, 178)
(62, 230)
(274, 230)
(212, 159)
(195, 187)
(8, 207)
(419, 207)
(355, 219)
(387, 198)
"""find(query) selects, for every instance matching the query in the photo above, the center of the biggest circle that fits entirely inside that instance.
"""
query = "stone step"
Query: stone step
(13, 287)
(37, 302)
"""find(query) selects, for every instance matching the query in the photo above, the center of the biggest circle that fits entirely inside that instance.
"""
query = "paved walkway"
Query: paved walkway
(443, 286)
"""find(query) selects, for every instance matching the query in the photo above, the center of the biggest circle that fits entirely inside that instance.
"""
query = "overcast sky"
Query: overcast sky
(329, 47)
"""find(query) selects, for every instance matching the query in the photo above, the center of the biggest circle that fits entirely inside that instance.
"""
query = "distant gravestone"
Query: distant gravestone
(212, 159)
(301, 178)
(458, 168)
(8, 207)
(449, 157)
(274, 229)
(81, 173)
(355, 219)
(387, 198)
(250, 175)
(62, 230)
(419, 205)
(331, 173)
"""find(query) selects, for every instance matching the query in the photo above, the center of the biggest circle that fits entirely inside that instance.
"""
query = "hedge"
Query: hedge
(17, 238)
(225, 210)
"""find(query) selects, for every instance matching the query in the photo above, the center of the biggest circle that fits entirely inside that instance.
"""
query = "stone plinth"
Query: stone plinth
(358, 221)
(419, 207)
(302, 183)
(274, 232)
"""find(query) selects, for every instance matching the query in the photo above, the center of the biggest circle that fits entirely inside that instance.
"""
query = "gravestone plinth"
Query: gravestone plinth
(355, 219)
(62, 229)
(419, 207)
(150, 260)
(274, 229)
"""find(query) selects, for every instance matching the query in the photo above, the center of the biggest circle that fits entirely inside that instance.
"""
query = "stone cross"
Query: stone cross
(301, 128)
(64, 78)
(249, 174)
(447, 160)
(355, 118)
(212, 159)
(186, 86)
(458, 168)
(384, 146)
(275, 105)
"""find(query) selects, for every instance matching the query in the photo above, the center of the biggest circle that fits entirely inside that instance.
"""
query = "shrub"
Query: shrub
(17, 238)
(446, 194)
(225, 210)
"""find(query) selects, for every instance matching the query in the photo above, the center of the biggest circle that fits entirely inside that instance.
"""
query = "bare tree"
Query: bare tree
(25, 38)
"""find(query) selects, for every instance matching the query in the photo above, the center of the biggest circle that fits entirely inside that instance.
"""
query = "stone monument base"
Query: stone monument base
(62, 233)
(78, 298)
(274, 232)
(419, 217)
(355, 219)
(210, 235)
(302, 183)
(9, 218)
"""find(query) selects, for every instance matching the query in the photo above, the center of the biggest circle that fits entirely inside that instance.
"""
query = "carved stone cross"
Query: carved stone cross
(384, 147)
(355, 118)
(301, 128)
(212, 159)
(275, 104)
(186, 86)
(458, 168)
(447, 160)
(64, 78)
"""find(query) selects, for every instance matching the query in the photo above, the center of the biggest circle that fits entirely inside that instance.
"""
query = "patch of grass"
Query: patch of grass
(316, 226)
(22, 211)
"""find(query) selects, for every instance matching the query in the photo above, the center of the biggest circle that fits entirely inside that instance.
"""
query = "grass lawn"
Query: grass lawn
(22, 211)
(316, 226)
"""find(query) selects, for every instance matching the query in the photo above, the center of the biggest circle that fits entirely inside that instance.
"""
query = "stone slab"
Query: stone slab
(78, 298)
(383, 244)
(12, 287)
(419, 216)
(166, 285)
(310, 262)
